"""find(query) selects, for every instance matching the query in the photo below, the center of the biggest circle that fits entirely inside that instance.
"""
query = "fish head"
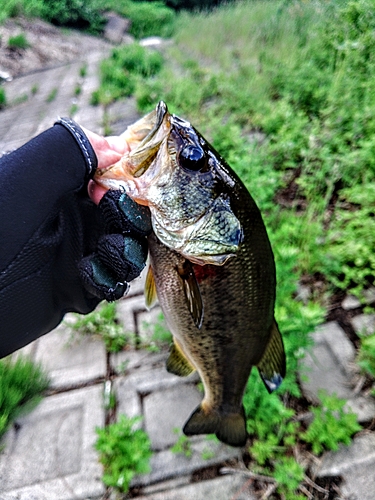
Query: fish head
(173, 170)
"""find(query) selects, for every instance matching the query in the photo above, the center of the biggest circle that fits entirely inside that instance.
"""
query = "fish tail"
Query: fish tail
(230, 428)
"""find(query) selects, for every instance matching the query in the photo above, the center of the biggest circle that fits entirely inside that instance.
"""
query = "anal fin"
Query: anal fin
(177, 362)
(272, 366)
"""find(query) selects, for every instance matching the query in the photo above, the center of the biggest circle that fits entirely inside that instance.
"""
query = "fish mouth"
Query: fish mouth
(147, 150)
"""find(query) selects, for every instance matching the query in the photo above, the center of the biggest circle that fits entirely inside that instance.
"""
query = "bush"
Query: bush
(21, 386)
(73, 13)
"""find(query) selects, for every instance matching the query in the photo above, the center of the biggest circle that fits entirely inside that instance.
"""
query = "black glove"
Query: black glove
(120, 255)
(59, 252)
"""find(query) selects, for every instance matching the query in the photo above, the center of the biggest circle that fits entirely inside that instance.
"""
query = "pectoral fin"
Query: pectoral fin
(177, 362)
(192, 292)
(151, 296)
(272, 366)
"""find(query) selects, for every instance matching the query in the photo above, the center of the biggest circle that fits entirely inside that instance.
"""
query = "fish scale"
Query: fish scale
(211, 267)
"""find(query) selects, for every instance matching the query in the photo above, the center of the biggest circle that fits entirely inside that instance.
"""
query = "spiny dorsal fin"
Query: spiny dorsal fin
(192, 292)
(177, 362)
(272, 366)
(151, 296)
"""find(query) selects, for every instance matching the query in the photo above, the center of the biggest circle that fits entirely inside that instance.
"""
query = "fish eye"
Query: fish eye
(192, 158)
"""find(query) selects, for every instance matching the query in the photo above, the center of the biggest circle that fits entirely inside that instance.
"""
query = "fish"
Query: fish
(211, 267)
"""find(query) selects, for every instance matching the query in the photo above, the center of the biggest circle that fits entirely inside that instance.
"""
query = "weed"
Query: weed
(182, 445)
(122, 71)
(52, 95)
(366, 355)
(34, 89)
(83, 71)
(3, 100)
(18, 42)
(160, 335)
(124, 452)
(21, 386)
(103, 322)
(73, 109)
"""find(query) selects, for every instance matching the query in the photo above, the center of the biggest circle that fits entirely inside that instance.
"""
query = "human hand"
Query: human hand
(121, 251)
(108, 151)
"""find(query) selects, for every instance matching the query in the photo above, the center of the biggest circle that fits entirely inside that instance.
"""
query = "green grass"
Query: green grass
(21, 386)
(18, 42)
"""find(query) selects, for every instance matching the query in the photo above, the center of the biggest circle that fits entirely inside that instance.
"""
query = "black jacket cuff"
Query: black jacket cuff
(83, 142)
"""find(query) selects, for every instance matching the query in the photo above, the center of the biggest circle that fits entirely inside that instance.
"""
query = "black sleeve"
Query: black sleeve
(47, 224)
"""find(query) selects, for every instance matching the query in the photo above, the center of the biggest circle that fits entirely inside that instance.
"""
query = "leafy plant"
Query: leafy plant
(124, 452)
(122, 70)
(182, 445)
(18, 42)
(21, 386)
(52, 95)
(366, 355)
(2, 98)
(331, 426)
(160, 335)
(103, 322)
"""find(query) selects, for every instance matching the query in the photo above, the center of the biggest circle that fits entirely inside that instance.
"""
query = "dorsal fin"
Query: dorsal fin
(272, 366)
(192, 292)
(177, 362)
(151, 295)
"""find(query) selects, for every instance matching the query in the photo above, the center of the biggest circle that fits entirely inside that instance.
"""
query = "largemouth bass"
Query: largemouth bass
(211, 266)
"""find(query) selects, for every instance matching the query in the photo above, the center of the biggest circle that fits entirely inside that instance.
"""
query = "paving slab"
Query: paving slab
(167, 411)
(205, 453)
(356, 465)
(71, 359)
(364, 324)
(221, 488)
(329, 366)
(49, 454)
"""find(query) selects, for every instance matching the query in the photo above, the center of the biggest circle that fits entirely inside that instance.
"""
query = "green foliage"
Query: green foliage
(18, 42)
(147, 18)
(52, 95)
(183, 445)
(3, 100)
(331, 426)
(124, 451)
(121, 73)
(366, 355)
(103, 322)
(21, 386)
(159, 333)
(72, 13)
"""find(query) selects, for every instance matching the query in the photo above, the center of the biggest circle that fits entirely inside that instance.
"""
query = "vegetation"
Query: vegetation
(103, 323)
(124, 451)
(21, 386)
(18, 42)
(284, 91)
(121, 72)
(147, 18)
(2, 98)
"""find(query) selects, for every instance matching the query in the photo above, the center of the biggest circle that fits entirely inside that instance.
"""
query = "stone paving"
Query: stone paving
(49, 453)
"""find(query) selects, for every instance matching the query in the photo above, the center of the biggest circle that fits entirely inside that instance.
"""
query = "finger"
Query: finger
(95, 191)
(118, 144)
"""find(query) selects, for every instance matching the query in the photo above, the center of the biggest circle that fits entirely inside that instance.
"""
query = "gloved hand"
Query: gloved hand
(121, 254)
(60, 252)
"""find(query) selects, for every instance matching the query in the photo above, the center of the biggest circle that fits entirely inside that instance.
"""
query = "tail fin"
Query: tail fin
(229, 428)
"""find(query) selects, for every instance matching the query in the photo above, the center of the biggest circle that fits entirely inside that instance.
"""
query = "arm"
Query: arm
(48, 225)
